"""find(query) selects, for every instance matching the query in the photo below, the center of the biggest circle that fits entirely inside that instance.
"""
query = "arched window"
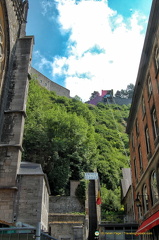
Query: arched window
(154, 189)
(1, 47)
(145, 198)
(139, 206)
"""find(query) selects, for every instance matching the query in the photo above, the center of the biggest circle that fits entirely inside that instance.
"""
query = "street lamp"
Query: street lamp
(138, 201)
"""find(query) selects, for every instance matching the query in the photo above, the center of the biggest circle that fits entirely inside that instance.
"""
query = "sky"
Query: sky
(88, 45)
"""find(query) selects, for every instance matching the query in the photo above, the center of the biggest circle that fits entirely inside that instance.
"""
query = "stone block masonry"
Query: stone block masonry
(13, 125)
(50, 85)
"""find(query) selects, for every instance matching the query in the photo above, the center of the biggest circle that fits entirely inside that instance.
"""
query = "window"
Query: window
(154, 189)
(135, 170)
(132, 139)
(157, 57)
(1, 48)
(149, 83)
(143, 107)
(137, 127)
(139, 206)
(145, 198)
(140, 159)
(147, 140)
(155, 124)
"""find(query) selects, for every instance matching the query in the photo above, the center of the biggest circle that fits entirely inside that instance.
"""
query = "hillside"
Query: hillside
(69, 138)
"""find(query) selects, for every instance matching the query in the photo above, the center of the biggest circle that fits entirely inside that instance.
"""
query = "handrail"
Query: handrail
(17, 228)
(25, 228)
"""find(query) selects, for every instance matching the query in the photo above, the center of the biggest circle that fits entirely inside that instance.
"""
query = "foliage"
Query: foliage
(127, 93)
(81, 191)
(68, 138)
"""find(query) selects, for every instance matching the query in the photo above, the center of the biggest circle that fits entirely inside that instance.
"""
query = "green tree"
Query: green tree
(68, 138)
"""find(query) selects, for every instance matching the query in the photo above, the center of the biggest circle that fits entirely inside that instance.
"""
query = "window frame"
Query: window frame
(145, 198)
(137, 127)
(132, 140)
(143, 107)
(154, 122)
(147, 137)
(157, 57)
(155, 197)
(135, 170)
(140, 159)
(149, 85)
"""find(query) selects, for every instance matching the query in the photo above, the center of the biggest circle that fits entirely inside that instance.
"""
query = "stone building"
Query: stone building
(143, 130)
(126, 195)
(107, 97)
(15, 57)
(24, 190)
(32, 199)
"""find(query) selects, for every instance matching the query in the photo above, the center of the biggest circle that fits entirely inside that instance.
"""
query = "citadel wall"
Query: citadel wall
(50, 85)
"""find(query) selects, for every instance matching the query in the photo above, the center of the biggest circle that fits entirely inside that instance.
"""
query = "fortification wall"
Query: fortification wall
(50, 85)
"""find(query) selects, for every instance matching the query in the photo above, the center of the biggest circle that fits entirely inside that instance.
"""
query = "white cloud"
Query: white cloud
(92, 23)
(41, 62)
(45, 7)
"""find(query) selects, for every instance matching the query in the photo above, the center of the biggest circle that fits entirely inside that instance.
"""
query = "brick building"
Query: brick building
(143, 130)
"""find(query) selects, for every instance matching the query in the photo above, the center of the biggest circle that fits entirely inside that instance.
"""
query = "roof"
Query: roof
(32, 169)
(6, 223)
(29, 168)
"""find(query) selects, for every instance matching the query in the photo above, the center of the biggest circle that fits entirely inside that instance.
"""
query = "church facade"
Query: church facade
(15, 62)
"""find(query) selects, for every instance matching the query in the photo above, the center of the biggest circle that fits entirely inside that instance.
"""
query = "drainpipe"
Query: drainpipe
(38, 231)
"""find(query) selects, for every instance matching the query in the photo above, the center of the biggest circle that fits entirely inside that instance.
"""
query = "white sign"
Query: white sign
(91, 175)
(96, 233)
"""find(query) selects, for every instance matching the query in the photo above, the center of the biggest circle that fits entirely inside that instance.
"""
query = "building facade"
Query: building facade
(126, 196)
(32, 198)
(107, 97)
(15, 57)
(67, 218)
(143, 130)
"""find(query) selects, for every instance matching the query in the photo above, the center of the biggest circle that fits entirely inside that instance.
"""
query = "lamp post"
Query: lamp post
(138, 202)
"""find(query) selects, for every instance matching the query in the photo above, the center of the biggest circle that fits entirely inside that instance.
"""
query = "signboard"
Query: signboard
(96, 233)
(91, 175)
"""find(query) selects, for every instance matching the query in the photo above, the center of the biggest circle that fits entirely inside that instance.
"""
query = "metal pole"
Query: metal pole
(38, 231)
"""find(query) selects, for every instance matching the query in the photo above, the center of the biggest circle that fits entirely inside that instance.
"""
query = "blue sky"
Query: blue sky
(88, 45)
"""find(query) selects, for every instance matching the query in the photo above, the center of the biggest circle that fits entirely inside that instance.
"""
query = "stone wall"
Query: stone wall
(50, 85)
(70, 226)
(64, 204)
(32, 201)
(16, 52)
(68, 231)
(45, 207)
(29, 199)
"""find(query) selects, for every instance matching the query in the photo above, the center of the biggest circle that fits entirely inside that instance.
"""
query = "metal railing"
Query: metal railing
(117, 219)
(22, 233)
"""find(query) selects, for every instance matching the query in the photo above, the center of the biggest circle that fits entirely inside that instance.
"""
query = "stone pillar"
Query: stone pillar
(13, 126)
